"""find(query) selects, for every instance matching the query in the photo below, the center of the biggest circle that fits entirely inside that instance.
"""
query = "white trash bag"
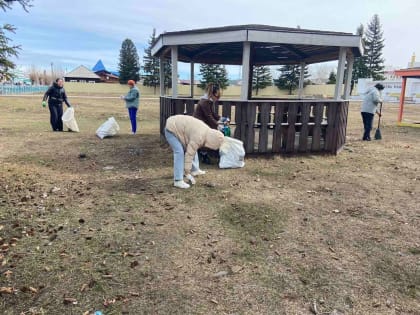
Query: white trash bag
(231, 153)
(69, 121)
(108, 129)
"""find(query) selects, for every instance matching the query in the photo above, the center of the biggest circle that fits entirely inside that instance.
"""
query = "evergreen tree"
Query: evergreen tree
(150, 67)
(129, 66)
(360, 69)
(6, 49)
(213, 74)
(374, 45)
(261, 78)
(332, 79)
(289, 77)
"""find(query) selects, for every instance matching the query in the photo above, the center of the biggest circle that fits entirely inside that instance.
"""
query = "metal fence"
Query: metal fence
(22, 89)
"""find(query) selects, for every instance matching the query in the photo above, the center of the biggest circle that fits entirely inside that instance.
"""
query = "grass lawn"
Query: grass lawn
(284, 235)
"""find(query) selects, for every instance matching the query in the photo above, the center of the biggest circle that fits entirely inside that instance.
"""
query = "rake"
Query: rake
(378, 135)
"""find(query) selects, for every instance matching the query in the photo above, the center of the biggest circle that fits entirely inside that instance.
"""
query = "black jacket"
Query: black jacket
(56, 95)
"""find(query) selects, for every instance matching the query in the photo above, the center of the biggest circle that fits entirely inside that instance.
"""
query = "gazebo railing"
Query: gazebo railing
(276, 126)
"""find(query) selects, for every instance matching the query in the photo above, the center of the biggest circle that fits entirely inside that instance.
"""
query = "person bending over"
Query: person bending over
(186, 134)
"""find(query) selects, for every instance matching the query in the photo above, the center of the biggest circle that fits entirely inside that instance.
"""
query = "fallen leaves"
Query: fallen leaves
(69, 300)
(29, 289)
(134, 264)
(7, 290)
(8, 274)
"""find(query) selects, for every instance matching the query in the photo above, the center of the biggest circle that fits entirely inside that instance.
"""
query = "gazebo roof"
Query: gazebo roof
(270, 45)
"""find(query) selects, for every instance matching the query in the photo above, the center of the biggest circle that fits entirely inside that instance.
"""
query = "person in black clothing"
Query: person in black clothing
(56, 96)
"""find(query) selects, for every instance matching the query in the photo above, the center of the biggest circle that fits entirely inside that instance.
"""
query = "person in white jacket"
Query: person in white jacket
(186, 134)
(369, 108)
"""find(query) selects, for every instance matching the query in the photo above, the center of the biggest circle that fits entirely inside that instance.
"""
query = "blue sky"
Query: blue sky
(69, 33)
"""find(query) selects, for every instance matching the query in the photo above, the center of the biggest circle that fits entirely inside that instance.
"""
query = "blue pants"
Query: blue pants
(367, 123)
(56, 112)
(132, 112)
(179, 156)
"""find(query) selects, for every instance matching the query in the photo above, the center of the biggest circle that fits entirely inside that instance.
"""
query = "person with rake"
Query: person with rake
(370, 107)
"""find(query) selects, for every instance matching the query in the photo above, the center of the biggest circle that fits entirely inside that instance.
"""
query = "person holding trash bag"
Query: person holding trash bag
(186, 134)
(369, 108)
(132, 104)
(56, 95)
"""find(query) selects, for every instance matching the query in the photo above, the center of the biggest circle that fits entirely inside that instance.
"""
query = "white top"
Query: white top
(371, 100)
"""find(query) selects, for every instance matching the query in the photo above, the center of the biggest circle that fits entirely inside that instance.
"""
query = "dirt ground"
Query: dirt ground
(89, 224)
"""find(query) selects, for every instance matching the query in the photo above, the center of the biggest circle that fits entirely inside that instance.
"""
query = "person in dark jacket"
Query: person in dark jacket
(204, 109)
(56, 95)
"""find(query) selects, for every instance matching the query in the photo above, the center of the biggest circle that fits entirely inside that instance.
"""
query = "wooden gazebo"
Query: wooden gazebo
(405, 74)
(266, 125)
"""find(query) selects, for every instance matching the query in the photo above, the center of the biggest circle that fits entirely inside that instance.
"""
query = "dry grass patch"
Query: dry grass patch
(109, 231)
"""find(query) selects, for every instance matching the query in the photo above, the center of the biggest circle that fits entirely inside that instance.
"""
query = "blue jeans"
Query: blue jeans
(179, 156)
(132, 112)
(367, 123)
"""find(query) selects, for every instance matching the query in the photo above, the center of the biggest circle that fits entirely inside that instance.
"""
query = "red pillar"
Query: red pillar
(402, 98)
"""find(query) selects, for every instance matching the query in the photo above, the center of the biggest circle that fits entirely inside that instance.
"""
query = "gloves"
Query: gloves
(44, 103)
(191, 179)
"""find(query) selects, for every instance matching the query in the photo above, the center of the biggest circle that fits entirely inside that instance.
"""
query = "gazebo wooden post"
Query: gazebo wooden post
(162, 75)
(174, 59)
(251, 71)
(402, 99)
(301, 79)
(340, 73)
(246, 59)
(192, 79)
(350, 62)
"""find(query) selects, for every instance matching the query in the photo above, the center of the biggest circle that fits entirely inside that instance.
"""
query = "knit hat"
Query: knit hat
(131, 82)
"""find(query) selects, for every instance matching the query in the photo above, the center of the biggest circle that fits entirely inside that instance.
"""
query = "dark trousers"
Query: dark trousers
(367, 124)
(132, 112)
(56, 112)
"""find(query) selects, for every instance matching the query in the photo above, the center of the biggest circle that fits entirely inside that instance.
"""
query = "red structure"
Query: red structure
(405, 74)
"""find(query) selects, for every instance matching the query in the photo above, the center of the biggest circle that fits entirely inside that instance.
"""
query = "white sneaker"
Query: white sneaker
(181, 184)
(198, 173)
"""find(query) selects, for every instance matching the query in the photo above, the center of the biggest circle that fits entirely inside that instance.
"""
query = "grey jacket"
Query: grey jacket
(132, 99)
(371, 100)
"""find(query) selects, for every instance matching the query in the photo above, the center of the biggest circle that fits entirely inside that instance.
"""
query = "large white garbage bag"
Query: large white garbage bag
(108, 129)
(69, 121)
(232, 153)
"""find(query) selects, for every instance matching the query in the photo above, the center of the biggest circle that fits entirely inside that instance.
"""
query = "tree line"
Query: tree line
(369, 65)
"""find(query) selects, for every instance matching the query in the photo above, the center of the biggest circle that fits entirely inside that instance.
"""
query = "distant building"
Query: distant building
(105, 75)
(413, 63)
(82, 74)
